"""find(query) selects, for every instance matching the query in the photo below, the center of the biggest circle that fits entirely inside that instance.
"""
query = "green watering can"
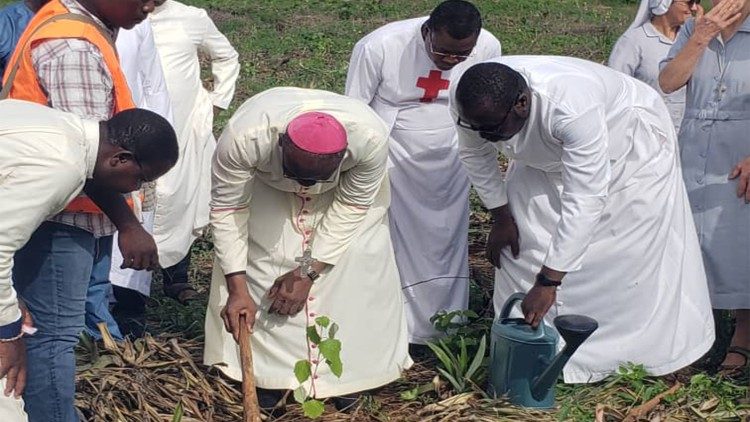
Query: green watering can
(523, 364)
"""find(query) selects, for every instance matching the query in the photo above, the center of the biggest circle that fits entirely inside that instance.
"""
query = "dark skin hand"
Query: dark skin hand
(540, 298)
(238, 304)
(13, 359)
(138, 248)
(290, 291)
(504, 233)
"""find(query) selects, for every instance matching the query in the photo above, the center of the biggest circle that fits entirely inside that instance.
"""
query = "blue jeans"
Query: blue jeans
(100, 291)
(52, 274)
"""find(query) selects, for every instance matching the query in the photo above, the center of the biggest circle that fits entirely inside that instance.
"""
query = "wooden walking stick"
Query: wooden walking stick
(249, 395)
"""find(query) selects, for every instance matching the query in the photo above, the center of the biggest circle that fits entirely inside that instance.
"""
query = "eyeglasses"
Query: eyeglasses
(495, 130)
(486, 129)
(458, 57)
(306, 181)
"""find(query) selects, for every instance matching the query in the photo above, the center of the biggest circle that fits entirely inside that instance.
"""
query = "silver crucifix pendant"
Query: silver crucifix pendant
(306, 261)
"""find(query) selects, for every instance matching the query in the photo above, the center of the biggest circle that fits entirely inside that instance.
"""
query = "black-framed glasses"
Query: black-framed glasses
(494, 130)
(458, 57)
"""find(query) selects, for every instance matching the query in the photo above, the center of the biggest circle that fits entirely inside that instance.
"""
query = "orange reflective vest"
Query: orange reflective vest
(54, 21)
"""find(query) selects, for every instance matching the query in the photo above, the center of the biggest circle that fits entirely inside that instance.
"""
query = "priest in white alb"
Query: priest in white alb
(182, 32)
(299, 214)
(592, 217)
(142, 67)
(429, 214)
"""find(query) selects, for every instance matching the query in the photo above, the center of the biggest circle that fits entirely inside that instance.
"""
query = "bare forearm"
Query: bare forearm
(114, 206)
(237, 283)
(679, 71)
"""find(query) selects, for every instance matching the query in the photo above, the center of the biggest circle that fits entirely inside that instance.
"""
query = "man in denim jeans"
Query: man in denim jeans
(72, 249)
(46, 157)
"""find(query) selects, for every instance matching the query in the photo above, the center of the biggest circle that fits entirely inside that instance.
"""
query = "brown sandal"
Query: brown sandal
(737, 350)
(181, 292)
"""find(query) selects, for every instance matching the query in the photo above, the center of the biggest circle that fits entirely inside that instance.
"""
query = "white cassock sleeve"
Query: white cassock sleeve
(585, 179)
(231, 180)
(21, 213)
(365, 72)
(155, 92)
(352, 199)
(625, 56)
(479, 157)
(225, 66)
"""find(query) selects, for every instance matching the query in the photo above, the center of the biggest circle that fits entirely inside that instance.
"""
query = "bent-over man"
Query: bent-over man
(298, 209)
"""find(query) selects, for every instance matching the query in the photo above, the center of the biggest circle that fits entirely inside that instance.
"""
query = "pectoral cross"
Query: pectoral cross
(306, 261)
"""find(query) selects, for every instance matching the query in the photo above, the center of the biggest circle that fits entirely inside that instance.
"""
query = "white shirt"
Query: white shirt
(46, 156)
(578, 126)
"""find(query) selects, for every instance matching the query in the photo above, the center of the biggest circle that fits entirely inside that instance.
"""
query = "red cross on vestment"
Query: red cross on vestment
(432, 85)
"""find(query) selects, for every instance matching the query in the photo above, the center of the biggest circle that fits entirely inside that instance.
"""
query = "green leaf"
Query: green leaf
(333, 330)
(478, 359)
(470, 314)
(300, 395)
(313, 408)
(178, 412)
(323, 321)
(463, 357)
(458, 387)
(330, 349)
(312, 334)
(337, 367)
(302, 370)
(410, 395)
(441, 355)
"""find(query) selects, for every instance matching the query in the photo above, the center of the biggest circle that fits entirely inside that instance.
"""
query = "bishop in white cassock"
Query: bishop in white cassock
(266, 214)
(429, 214)
(181, 32)
(596, 191)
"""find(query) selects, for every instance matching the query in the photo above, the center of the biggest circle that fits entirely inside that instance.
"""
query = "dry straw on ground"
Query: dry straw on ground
(155, 378)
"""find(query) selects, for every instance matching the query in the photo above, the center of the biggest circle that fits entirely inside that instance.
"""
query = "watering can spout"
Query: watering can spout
(574, 329)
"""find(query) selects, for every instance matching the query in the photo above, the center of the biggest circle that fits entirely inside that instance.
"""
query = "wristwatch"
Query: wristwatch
(313, 275)
(542, 280)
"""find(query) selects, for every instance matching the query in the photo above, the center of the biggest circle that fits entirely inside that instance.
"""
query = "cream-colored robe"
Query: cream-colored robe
(262, 221)
(181, 32)
(46, 156)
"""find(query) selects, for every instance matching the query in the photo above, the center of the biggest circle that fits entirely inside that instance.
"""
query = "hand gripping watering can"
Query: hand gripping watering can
(523, 364)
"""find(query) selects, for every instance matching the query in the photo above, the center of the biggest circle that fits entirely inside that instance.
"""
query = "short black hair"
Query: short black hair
(459, 18)
(148, 136)
(489, 84)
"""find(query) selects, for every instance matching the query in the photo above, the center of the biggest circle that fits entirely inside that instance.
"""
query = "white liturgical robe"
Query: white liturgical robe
(596, 190)
(429, 213)
(142, 68)
(45, 158)
(261, 221)
(181, 32)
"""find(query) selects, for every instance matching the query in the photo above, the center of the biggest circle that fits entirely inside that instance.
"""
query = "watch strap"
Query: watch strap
(313, 275)
(542, 280)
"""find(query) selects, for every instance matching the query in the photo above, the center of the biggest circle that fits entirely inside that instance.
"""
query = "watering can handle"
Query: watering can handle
(515, 297)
